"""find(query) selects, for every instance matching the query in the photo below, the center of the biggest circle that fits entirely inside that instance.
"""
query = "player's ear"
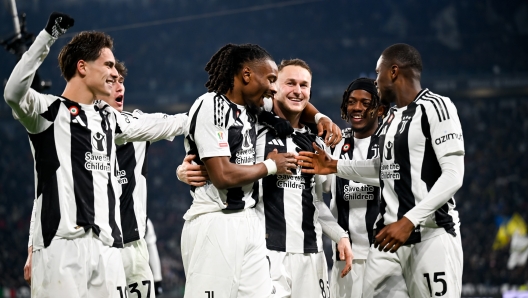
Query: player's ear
(246, 74)
(81, 67)
(381, 110)
(394, 71)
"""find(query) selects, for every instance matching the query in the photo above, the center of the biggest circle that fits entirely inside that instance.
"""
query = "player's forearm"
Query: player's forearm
(150, 128)
(328, 223)
(234, 175)
(445, 187)
(364, 171)
(16, 92)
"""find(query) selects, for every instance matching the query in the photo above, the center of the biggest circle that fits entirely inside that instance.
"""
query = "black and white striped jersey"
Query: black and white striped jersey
(355, 204)
(73, 146)
(287, 203)
(412, 139)
(131, 172)
(219, 127)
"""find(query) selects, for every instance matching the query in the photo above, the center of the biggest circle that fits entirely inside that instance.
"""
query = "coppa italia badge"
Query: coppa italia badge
(222, 139)
(345, 147)
(74, 110)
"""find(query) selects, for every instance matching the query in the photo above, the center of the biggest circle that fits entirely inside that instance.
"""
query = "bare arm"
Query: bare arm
(224, 174)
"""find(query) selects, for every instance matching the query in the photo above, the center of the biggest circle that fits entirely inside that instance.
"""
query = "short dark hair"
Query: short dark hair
(86, 46)
(121, 68)
(229, 60)
(295, 62)
(404, 56)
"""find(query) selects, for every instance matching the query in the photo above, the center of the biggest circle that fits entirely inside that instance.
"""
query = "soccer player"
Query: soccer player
(421, 166)
(77, 218)
(355, 204)
(223, 250)
(291, 206)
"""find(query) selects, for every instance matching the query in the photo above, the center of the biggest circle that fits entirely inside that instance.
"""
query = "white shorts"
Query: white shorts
(81, 267)
(350, 286)
(224, 255)
(431, 268)
(137, 269)
(299, 275)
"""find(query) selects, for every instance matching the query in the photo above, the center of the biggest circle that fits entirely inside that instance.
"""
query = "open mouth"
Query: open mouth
(295, 99)
(119, 99)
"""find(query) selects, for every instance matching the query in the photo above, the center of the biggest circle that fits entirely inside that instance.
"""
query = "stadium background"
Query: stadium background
(476, 52)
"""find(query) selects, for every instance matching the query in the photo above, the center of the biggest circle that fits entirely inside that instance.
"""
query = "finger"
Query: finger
(196, 179)
(304, 154)
(189, 158)
(288, 154)
(390, 245)
(306, 164)
(308, 171)
(291, 165)
(197, 184)
(320, 129)
(346, 270)
(317, 149)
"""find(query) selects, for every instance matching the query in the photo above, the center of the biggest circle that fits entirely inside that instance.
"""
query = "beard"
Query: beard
(253, 108)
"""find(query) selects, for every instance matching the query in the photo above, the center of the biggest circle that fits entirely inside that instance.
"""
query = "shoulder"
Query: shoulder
(436, 106)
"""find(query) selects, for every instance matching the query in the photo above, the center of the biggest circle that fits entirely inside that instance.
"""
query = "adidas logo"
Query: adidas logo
(276, 142)
(79, 121)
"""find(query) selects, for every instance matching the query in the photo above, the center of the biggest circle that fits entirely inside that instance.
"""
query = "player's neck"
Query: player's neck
(293, 118)
(77, 92)
(365, 134)
(407, 92)
(235, 97)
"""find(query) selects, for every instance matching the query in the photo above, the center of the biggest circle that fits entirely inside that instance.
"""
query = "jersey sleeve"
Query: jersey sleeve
(32, 223)
(211, 140)
(325, 218)
(135, 127)
(444, 127)
(28, 105)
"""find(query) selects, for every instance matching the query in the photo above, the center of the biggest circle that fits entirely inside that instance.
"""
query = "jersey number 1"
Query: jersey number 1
(437, 278)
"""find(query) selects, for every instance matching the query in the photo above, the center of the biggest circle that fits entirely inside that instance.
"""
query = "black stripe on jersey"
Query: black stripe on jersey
(431, 171)
(51, 113)
(274, 203)
(144, 169)
(105, 125)
(381, 132)
(193, 149)
(372, 205)
(237, 141)
(403, 186)
(46, 165)
(308, 226)
(126, 158)
(436, 108)
(82, 178)
(436, 102)
(343, 206)
(440, 101)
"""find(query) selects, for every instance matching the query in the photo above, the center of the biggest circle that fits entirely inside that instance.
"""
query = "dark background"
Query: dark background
(473, 51)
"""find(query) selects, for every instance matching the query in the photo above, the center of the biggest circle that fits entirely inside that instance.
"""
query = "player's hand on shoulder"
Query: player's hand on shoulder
(328, 130)
(284, 161)
(58, 23)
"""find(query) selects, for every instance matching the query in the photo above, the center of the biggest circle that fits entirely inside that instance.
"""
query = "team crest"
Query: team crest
(345, 148)
(74, 110)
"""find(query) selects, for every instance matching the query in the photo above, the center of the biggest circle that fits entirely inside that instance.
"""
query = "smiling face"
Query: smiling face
(260, 77)
(358, 110)
(293, 89)
(100, 74)
(116, 98)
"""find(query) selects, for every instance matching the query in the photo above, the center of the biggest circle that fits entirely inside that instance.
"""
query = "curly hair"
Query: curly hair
(371, 86)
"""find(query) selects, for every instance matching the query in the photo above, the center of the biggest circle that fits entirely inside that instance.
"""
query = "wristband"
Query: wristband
(318, 117)
(271, 166)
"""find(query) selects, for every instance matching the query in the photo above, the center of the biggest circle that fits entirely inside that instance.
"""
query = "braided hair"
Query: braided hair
(363, 84)
(229, 60)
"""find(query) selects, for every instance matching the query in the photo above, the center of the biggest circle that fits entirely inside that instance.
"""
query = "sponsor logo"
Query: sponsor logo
(295, 181)
(97, 162)
(99, 141)
(448, 137)
(358, 192)
(121, 177)
(390, 172)
(244, 157)
(79, 121)
(276, 142)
